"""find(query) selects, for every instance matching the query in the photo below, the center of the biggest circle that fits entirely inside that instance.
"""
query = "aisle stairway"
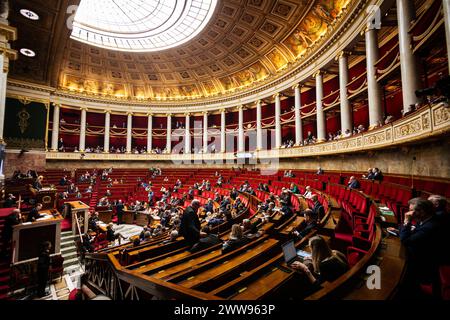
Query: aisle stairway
(69, 251)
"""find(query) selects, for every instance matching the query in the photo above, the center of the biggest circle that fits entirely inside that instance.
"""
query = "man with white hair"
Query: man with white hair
(190, 224)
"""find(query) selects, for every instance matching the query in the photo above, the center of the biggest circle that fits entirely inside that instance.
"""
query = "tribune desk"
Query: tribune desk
(80, 212)
(28, 237)
(47, 196)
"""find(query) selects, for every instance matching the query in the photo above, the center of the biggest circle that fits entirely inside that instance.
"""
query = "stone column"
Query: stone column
(446, 5)
(187, 135)
(55, 127)
(277, 121)
(107, 129)
(259, 144)
(82, 145)
(346, 109)
(241, 138)
(169, 134)
(129, 131)
(298, 116)
(320, 114)
(149, 132)
(205, 132)
(373, 87)
(223, 135)
(408, 65)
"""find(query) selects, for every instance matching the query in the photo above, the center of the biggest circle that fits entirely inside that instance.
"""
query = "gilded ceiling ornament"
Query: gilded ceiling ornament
(23, 119)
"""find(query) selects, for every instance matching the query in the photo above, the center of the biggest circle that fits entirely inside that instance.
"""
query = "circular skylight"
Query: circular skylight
(28, 52)
(140, 25)
(29, 14)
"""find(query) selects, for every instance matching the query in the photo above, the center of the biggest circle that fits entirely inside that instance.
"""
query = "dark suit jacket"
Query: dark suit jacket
(190, 226)
(319, 211)
(354, 184)
(233, 244)
(34, 213)
(424, 248)
(206, 242)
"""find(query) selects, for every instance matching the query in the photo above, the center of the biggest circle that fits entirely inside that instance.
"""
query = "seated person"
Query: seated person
(10, 201)
(172, 237)
(285, 210)
(207, 239)
(325, 264)
(87, 245)
(236, 240)
(319, 170)
(38, 183)
(93, 222)
(251, 229)
(353, 183)
(34, 213)
(108, 193)
(111, 236)
(294, 188)
(307, 225)
(308, 192)
(377, 175)
(318, 209)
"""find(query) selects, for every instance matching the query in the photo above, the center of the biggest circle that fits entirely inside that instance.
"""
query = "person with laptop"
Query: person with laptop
(324, 265)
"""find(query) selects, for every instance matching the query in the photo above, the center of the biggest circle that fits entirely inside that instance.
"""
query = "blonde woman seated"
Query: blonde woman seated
(308, 193)
(325, 264)
(236, 240)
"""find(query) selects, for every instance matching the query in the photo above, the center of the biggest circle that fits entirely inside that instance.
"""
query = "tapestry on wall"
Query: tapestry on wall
(25, 123)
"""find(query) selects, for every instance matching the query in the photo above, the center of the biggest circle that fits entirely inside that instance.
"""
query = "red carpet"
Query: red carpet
(66, 224)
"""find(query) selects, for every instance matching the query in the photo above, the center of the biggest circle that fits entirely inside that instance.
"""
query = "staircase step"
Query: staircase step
(70, 262)
(68, 256)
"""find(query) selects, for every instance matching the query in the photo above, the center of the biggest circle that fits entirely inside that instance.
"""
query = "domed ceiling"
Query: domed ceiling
(245, 43)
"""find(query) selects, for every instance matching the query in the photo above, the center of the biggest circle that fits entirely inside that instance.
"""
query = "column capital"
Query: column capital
(149, 114)
(277, 95)
(187, 114)
(204, 113)
(223, 110)
(296, 86)
(129, 113)
(168, 115)
(241, 107)
(318, 73)
(343, 53)
(107, 111)
(259, 101)
(83, 109)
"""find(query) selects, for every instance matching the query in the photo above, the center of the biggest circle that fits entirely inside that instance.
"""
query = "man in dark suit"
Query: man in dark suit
(207, 241)
(190, 224)
(34, 213)
(234, 194)
(421, 234)
(119, 211)
(209, 206)
(353, 183)
(318, 210)
(285, 210)
(11, 220)
(10, 201)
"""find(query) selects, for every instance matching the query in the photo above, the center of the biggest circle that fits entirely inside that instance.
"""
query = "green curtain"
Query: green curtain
(25, 124)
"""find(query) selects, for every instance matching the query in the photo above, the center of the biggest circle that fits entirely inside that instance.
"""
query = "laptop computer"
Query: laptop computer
(291, 254)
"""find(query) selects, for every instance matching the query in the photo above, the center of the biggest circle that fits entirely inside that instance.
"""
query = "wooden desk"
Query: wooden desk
(28, 236)
(80, 212)
(47, 197)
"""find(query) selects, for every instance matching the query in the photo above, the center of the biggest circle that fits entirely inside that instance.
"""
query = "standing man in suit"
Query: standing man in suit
(190, 224)
(119, 211)
(422, 236)
(42, 267)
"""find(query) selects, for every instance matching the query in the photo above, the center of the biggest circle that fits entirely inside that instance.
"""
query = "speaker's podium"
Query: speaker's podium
(29, 236)
(80, 213)
(47, 196)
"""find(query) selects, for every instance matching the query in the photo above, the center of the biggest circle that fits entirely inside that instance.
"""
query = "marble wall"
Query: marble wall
(14, 160)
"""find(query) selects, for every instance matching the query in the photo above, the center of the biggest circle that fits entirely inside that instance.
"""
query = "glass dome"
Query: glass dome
(140, 25)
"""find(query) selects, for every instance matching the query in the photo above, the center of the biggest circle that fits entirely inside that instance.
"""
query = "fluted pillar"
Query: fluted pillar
(107, 129)
(205, 132)
(149, 132)
(258, 126)
(241, 139)
(346, 110)
(277, 120)
(373, 87)
(408, 64)
(187, 135)
(169, 134)
(82, 145)
(446, 5)
(129, 131)
(55, 127)
(298, 116)
(320, 114)
(223, 135)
